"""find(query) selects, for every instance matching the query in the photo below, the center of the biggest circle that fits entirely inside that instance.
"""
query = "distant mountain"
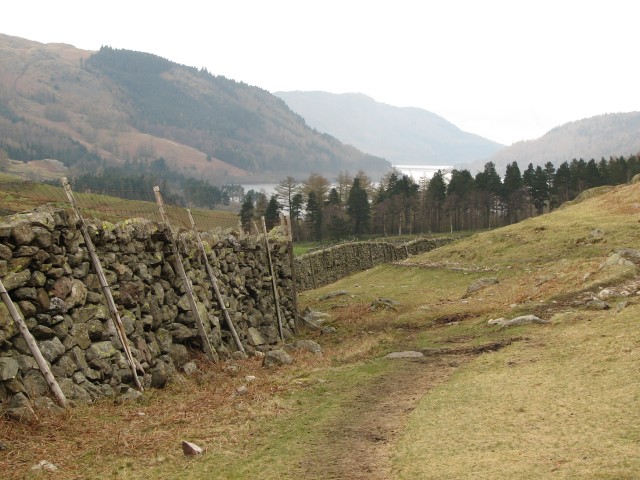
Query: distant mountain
(93, 109)
(613, 134)
(402, 135)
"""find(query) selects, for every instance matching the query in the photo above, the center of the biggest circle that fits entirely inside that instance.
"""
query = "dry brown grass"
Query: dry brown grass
(108, 440)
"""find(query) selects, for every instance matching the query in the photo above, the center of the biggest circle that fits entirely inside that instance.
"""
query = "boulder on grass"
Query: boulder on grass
(276, 358)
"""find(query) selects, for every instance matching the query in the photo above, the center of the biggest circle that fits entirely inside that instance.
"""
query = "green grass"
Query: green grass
(563, 406)
(300, 248)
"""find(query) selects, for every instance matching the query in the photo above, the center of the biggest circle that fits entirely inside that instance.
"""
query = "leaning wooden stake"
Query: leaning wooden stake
(211, 353)
(33, 347)
(286, 223)
(276, 297)
(106, 290)
(214, 284)
(240, 230)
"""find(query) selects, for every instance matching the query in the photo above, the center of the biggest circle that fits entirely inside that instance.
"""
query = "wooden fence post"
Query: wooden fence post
(33, 347)
(276, 297)
(240, 229)
(106, 290)
(211, 353)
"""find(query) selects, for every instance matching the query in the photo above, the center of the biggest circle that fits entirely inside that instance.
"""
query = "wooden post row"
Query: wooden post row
(106, 290)
(206, 345)
(276, 297)
(214, 284)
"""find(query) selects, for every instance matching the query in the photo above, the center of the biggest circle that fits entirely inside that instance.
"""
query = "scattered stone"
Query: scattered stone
(276, 358)
(128, 395)
(338, 293)
(250, 378)
(242, 390)
(622, 257)
(597, 304)
(480, 284)
(190, 368)
(621, 306)
(238, 355)
(521, 320)
(497, 321)
(308, 346)
(232, 370)
(384, 303)
(406, 354)
(315, 316)
(328, 330)
(45, 403)
(19, 408)
(189, 448)
(605, 294)
(45, 465)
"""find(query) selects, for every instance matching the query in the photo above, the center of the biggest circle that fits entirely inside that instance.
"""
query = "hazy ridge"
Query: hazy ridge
(613, 134)
(405, 135)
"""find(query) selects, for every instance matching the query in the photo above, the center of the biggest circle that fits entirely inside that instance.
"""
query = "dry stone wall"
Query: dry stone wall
(46, 268)
(329, 265)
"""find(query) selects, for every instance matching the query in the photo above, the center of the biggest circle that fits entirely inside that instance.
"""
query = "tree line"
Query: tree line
(353, 206)
(135, 179)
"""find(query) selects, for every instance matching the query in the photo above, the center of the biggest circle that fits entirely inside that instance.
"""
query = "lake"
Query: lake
(417, 172)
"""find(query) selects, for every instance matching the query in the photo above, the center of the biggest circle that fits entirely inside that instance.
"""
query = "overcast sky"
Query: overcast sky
(506, 70)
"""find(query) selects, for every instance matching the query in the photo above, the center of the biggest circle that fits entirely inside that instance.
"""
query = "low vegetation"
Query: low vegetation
(552, 400)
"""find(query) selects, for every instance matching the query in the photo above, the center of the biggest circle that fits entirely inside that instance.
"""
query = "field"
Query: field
(19, 195)
(559, 399)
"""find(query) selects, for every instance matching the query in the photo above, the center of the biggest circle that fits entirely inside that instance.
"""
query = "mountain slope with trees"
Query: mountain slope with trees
(94, 110)
(401, 135)
(613, 134)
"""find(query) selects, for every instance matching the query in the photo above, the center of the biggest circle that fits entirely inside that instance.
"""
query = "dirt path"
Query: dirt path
(358, 443)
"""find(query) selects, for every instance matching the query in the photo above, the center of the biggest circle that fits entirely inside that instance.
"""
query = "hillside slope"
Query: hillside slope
(90, 109)
(546, 400)
(601, 136)
(402, 135)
